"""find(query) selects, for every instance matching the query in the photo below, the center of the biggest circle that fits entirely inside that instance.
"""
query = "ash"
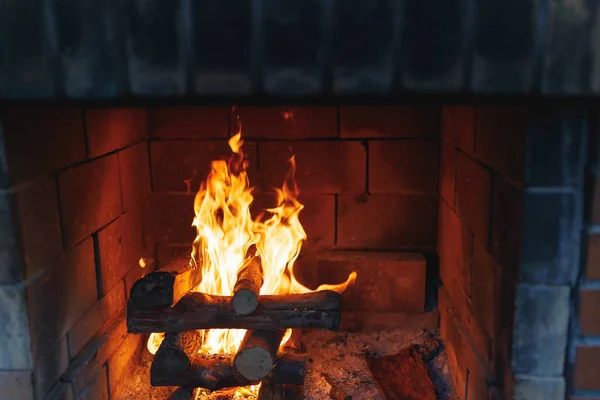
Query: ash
(339, 358)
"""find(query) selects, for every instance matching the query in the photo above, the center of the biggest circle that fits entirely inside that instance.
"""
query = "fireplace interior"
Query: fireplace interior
(470, 228)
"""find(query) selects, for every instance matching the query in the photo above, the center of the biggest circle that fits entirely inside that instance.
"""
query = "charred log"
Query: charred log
(316, 310)
(166, 286)
(337, 392)
(247, 287)
(217, 372)
(257, 354)
(176, 352)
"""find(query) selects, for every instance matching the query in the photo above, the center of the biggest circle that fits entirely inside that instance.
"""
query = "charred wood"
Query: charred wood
(217, 372)
(249, 282)
(166, 286)
(316, 310)
(273, 391)
(257, 354)
(336, 392)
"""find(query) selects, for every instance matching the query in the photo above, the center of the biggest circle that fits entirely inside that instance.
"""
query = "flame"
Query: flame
(225, 231)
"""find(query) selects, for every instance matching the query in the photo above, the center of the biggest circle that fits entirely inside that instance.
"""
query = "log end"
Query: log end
(244, 302)
(254, 363)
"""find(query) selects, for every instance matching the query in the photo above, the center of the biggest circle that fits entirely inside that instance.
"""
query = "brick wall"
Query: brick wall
(367, 175)
(510, 189)
(73, 183)
(585, 347)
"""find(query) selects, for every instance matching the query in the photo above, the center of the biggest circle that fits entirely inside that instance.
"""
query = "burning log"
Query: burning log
(336, 392)
(175, 364)
(257, 354)
(166, 286)
(247, 287)
(316, 310)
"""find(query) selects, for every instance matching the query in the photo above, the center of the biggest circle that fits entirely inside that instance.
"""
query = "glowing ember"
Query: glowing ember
(225, 231)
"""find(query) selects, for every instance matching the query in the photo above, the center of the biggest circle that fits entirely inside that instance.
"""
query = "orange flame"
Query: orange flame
(225, 231)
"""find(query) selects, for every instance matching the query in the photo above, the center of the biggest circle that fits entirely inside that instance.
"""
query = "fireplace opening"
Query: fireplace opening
(316, 252)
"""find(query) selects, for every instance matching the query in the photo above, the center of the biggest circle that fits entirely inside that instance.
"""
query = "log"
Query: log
(217, 372)
(183, 394)
(316, 310)
(177, 351)
(402, 376)
(336, 392)
(166, 286)
(249, 282)
(257, 354)
(273, 391)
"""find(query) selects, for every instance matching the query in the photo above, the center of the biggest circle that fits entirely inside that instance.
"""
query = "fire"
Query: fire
(225, 231)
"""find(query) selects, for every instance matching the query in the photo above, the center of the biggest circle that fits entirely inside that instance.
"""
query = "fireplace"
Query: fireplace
(470, 212)
(454, 169)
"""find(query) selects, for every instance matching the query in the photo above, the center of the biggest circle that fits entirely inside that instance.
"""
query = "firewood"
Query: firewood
(316, 310)
(290, 367)
(247, 287)
(336, 392)
(217, 372)
(273, 391)
(183, 394)
(402, 376)
(166, 286)
(177, 351)
(256, 355)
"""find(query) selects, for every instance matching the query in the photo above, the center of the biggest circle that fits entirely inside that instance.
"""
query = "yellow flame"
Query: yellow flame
(225, 231)
(142, 262)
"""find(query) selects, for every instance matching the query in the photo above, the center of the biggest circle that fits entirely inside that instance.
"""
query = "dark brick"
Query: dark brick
(502, 62)
(121, 247)
(100, 313)
(387, 221)
(567, 52)
(432, 58)
(541, 328)
(292, 36)
(589, 314)
(555, 148)
(11, 268)
(61, 391)
(122, 360)
(109, 129)
(15, 354)
(88, 55)
(455, 248)
(136, 272)
(447, 173)
(384, 282)
(500, 140)
(389, 122)
(458, 127)
(586, 375)
(593, 257)
(288, 122)
(363, 46)
(473, 196)
(134, 169)
(182, 165)
(407, 166)
(60, 297)
(39, 225)
(507, 211)
(90, 197)
(172, 218)
(48, 370)
(97, 389)
(16, 385)
(321, 167)
(596, 200)
(155, 53)
(26, 65)
(550, 243)
(317, 217)
(41, 140)
(533, 387)
(222, 37)
(190, 122)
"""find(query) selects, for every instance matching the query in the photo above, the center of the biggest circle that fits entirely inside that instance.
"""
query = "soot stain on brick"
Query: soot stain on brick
(361, 198)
